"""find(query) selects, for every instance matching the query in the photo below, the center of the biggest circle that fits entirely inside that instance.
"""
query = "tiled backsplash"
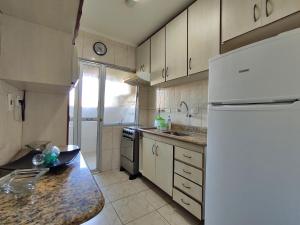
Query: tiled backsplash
(10, 124)
(167, 100)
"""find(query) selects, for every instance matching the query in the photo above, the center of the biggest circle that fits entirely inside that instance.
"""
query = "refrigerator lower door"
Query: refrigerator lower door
(253, 165)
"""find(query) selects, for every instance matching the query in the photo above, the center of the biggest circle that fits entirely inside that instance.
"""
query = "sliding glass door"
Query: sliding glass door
(87, 127)
(101, 98)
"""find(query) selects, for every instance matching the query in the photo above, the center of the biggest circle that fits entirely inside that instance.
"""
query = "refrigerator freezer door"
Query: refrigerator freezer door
(266, 71)
(253, 165)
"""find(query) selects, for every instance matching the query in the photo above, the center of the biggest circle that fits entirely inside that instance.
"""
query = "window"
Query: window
(120, 98)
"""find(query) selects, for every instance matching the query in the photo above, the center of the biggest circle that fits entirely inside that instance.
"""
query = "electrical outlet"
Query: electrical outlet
(11, 103)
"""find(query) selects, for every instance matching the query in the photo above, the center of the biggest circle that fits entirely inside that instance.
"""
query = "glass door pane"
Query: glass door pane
(89, 113)
(71, 116)
(120, 98)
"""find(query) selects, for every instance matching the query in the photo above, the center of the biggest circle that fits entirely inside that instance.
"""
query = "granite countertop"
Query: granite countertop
(194, 138)
(70, 196)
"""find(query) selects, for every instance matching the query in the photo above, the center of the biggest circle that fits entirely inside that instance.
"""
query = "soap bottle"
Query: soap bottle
(169, 122)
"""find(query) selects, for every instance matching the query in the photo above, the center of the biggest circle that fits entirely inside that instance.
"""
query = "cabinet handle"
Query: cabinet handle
(190, 63)
(163, 73)
(187, 156)
(267, 11)
(167, 69)
(187, 172)
(156, 152)
(255, 7)
(186, 203)
(153, 149)
(188, 187)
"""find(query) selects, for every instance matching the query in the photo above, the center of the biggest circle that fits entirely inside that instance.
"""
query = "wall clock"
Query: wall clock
(100, 48)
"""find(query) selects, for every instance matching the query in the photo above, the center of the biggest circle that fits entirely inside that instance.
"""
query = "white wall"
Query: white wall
(111, 139)
(45, 118)
(10, 125)
(117, 53)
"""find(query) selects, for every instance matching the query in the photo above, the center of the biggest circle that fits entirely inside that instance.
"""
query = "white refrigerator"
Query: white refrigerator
(253, 151)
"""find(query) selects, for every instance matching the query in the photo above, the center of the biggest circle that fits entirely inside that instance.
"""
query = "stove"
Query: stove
(130, 151)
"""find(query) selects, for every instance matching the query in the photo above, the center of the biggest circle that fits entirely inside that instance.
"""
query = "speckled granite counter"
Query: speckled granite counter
(194, 138)
(69, 197)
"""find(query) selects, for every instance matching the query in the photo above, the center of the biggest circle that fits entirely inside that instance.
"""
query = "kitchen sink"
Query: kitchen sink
(176, 133)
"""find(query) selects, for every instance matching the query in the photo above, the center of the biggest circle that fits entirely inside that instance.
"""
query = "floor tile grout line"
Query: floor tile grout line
(129, 195)
(117, 214)
(154, 210)
(140, 216)
(162, 215)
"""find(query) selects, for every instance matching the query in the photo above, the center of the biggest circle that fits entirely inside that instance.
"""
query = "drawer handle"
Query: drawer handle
(188, 187)
(187, 156)
(186, 203)
(187, 172)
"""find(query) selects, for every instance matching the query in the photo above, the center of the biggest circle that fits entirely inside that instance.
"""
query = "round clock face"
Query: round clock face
(100, 48)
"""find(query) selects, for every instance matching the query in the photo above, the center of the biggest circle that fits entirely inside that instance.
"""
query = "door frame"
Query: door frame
(100, 111)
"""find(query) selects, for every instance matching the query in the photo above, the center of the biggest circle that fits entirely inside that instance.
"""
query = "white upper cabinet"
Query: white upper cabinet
(34, 53)
(239, 17)
(176, 47)
(143, 58)
(203, 34)
(158, 57)
(276, 9)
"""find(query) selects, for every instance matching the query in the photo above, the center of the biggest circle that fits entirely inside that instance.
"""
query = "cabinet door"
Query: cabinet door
(276, 9)
(149, 159)
(239, 17)
(143, 58)
(203, 34)
(34, 53)
(164, 167)
(176, 47)
(158, 57)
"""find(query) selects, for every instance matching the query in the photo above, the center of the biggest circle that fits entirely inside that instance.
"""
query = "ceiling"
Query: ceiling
(130, 25)
(57, 14)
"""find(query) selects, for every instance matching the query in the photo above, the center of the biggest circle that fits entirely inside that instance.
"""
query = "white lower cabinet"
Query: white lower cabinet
(188, 180)
(188, 171)
(189, 204)
(158, 164)
(149, 159)
(164, 167)
(188, 187)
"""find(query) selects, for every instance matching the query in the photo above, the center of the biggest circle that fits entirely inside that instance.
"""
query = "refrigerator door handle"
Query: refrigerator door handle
(274, 105)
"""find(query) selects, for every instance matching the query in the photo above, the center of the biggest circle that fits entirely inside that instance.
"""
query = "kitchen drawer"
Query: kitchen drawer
(189, 204)
(191, 157)
(189, 172)
(188, 187)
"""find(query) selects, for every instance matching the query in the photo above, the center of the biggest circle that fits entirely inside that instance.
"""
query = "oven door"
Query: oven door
(127, 145)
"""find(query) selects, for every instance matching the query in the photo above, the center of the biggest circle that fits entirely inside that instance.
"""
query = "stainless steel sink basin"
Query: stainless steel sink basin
(176, 133)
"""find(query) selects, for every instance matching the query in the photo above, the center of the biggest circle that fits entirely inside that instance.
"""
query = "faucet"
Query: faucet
(187, 108)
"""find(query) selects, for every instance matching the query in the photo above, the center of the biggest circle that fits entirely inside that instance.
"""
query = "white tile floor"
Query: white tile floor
(136, 202)
(90, 159)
